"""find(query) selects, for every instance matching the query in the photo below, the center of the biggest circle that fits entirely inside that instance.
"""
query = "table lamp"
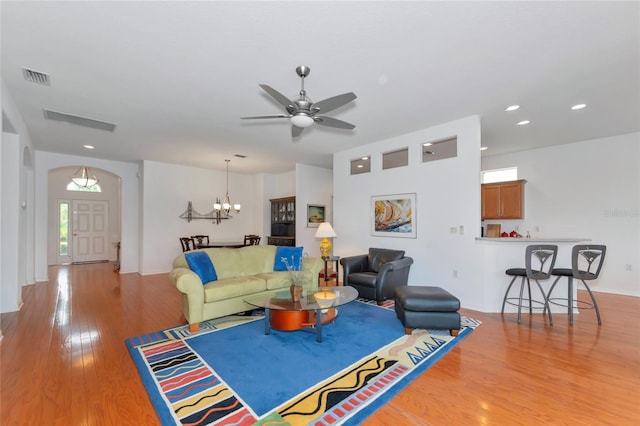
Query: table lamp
(325, 231)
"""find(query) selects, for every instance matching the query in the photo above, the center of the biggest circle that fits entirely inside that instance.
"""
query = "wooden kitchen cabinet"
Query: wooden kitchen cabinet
(503, 200)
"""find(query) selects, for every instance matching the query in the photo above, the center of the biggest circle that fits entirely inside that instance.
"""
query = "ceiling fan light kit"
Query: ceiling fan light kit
(301, 112)
(301, 120)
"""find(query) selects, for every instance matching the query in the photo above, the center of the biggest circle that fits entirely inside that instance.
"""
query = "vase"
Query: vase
(296, 292)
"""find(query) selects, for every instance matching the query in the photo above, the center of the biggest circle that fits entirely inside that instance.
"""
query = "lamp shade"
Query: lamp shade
(325, 231)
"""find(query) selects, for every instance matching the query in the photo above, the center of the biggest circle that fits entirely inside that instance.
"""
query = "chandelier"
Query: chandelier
(223, 210)
(83, 178)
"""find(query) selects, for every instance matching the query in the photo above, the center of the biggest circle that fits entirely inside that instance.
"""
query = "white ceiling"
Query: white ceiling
(175, 77)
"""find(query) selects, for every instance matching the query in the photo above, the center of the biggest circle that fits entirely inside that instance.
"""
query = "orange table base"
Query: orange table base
(296, 320)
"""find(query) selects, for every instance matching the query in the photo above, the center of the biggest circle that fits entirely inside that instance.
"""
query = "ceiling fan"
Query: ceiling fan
(302, 112)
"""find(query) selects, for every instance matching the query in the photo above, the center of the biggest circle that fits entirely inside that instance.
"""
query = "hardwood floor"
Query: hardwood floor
(63, 361)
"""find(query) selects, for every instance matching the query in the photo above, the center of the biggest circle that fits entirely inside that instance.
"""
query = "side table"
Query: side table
(327, 260)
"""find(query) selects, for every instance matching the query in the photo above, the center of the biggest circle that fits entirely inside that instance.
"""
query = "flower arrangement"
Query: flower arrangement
(296, 272)
(295, 269)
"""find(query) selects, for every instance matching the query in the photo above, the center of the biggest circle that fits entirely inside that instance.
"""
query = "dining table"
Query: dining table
(222, 244)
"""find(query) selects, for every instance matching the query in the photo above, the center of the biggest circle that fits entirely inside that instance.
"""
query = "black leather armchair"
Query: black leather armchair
(377, 274)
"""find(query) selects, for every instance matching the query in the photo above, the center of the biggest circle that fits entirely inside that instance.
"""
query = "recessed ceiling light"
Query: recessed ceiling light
(89, 146)
(512, 108)
(579, 106)
(484, 148)
(360, 166)
(365, 158)
(427, 144)
(523, 122)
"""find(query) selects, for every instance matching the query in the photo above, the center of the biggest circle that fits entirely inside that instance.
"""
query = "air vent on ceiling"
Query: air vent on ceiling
(79, 121)
(36, 77)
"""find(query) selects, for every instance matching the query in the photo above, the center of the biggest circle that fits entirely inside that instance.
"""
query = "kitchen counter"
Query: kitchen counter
(532, 240)
(500, 254)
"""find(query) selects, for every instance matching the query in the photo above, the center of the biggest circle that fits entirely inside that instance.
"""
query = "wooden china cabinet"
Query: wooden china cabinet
(283, 222)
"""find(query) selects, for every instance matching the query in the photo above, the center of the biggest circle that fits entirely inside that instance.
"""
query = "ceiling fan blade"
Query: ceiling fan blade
(334, 102)
(267, 116)
(333, 122)
(296, 131)
(282, 99)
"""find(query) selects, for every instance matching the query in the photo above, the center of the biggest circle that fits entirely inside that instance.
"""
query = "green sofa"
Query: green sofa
(241, 272)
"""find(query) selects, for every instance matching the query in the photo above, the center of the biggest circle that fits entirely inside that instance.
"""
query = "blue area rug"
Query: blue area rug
(231, 373)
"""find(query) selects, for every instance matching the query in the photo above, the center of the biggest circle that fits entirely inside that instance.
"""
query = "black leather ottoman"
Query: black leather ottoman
(428, 308)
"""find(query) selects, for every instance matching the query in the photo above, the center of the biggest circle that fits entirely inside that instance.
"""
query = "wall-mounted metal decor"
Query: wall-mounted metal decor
(190, 214)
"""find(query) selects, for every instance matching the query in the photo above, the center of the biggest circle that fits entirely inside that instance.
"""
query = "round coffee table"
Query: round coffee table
(315, 308)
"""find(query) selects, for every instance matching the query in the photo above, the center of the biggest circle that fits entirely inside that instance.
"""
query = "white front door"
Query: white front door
(90, 231)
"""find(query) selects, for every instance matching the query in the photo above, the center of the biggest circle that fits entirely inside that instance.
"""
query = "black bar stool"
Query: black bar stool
(539, 261)
(586, 263)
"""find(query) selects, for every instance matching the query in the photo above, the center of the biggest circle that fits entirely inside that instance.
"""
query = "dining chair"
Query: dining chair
(251, 240)
(586, 263)
(539, 261)
(187, 243)
(200, 239)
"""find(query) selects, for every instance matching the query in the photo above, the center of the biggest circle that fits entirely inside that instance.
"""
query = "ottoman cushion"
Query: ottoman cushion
(426, 299)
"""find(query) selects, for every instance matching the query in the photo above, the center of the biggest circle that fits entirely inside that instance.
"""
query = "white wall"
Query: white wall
(2, 267)
(314, 185)
(128, 173)
(17, 221)
(447, 195)
(167, 188)
(11, 294)
(589, 189)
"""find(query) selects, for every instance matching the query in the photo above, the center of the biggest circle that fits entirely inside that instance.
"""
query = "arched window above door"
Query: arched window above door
(75, 187)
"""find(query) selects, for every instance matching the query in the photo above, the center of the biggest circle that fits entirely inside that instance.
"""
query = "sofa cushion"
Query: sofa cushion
(200, 263)
(227, 261)
(233, 287)
(276, 279)
(364, 279)
(257, 259)
(378, 257)
(293, 256)
(426, 299)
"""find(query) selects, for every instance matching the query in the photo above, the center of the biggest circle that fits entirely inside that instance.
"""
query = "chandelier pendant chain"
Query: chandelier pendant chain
(223, 210)
(227, 199)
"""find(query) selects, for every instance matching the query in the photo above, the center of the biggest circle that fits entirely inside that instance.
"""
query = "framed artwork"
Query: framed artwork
(315, 215)
(394, 215)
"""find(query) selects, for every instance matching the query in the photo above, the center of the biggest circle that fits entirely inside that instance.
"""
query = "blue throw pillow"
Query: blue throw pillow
(200, 263)
(293, 256)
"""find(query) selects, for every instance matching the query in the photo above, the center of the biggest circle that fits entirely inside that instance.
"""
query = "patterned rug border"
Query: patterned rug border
(189, 391)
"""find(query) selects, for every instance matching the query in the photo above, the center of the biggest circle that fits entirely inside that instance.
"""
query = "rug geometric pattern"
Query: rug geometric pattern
(196, 395)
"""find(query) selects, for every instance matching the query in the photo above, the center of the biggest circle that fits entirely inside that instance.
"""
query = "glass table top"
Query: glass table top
(317, 298)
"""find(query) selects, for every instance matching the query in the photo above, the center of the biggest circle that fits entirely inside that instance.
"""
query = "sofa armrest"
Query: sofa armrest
(314, 265)
(392, 275)
(187, 281)
(353, 264)
(190, 285)
(395, 265)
